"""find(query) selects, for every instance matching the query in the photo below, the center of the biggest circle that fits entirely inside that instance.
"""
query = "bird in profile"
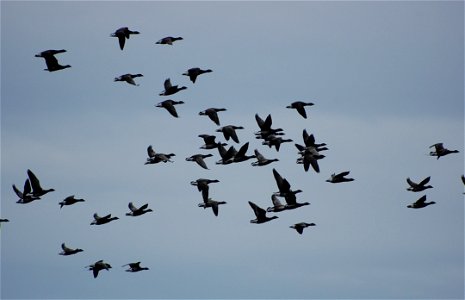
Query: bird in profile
(155, 158)
(134, 211)
(135, 267)
(37, 190)
(229, 132)
(210, 142)
(420, 203)
(213, 204)
(310, 153)
(169, 40)
(25, 196)
(260, 214)
(212, 113)
(241, 155)
(69, 251)
(284, 187)
(102, 220)
(122, 34)
(202, 186)
(276, 141)
(194, 72)
(51, 61)
(199, 159)
(262, 160)
(299, 227)
(129, 78)
(169, 106)
(70, 200)
(266, 132)
(98, 266)
(418, 187)
(171, 89)
(440, 150)
(340, 177)
(300, 107)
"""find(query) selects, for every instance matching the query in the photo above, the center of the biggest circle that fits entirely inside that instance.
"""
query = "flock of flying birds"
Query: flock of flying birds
(309, 155)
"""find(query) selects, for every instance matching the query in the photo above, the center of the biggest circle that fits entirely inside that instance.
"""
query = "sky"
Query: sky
(386, 79)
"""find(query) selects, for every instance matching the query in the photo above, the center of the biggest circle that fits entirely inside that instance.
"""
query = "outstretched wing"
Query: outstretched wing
(35, 183)
(132, 207)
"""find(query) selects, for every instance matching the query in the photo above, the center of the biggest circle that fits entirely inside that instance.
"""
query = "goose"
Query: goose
(309, 141)
(168, 40)
(134, 211)
(169, 106)
(51, 61)
(212, 113)
(337, 178)
(309, 157)
(277, 205)
(98, 266)
(194, 72)
(291, 200)
(283, 185)
(102, 220)
(155, 158)
(213, 204)
(199, 159)
(135, 267)
(265, 128)
(70, 200)
(129, 78)
(262, 160)
(229, 131)
(300, 107)
(420, 203)
(202, 186)
(37, 190)
(210, 142)
(260, 214)
(276, 141)
(299, 227)
(25, 196)
(439, 150)
(122, 34)
(227, 156)
(418, 187)
(171, 89)
(69, 251)
(241, 155)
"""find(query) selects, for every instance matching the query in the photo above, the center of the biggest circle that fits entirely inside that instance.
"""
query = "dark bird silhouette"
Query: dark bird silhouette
(262, 160)
(168, 40)
(37, 190)
(135, 267)
(418, 187)
(134, 211)
(102, 220)
(260, 214)
(122, 34)
(300, 107)
(210, 142)
(25, 196)
(276, 141)
(226, 155)
(129, 78)
(338, 178)
(213, 204)
(202, 186)
(420, 203)
(155, 158)
(266, 131)
(277, 205)
(299, 227)
(439, 150)
(212, 113)
(284, 186)
(199, 159)
(98, 266)
(70, 200)
(194, 72)
(241, 155)
(169, 106)
(51, 61)
(69, 251)
(229, 131)
(171, 89)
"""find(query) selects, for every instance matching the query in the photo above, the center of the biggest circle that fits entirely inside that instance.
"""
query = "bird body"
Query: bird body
(300, 107)
(299, 227)
(98, 266)
(129, 78)
(168, 40)
(135, 267)
(213, 204)
(199, 159)
(202, 186)
(440, 150)
(260, 214)
(102, 220)
(25, 196)
(194, 72)
(420, 203)
(69, 251)
(51, 61)
(122, 34)
(134, 211)
(229, 132)
(212, 113)
(37, 190)
(340, 177)
(171, 89)
(169, 106)
(70, 200)
(155, 158)
(262, 160)
(418, 187)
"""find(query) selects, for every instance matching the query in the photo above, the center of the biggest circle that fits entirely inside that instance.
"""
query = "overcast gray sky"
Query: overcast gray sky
(387, 82)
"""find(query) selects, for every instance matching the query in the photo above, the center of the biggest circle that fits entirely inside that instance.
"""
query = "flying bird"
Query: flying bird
(212, 113)
(69, 251)
(420, 203)
(262, 160)
(260, 214)
(51, 61)
(168, 40)
(25, 196)
(194, 72)
(210, 142)
(171, 89)
(122, 34)
(129, 78)
(300, 107)
(37, 190)
(98, 266)
(213, 204)
(202, 186)
(418, 187)
(70, 200)
(135, 267)
(134, 211)
(102, 220)
(299, 227)
(440, 150)
(155, 158)
(199, 159)
(169, 106)
(229, 132)
(340, 177)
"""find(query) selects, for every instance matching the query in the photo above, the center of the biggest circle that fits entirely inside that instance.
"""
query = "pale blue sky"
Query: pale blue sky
(387, 82)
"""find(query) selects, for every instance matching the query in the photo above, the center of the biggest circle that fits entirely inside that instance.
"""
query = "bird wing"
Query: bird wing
(411, 183)
(132, 207)
(170, 108)
(278, 178)
(421, 200)
(243, 150)
(65, 249)
(342, 174)
(97, 217)
(299, 229)
(18, 192)
(167, 84)
(213, 115)
(425, 181)
(199, 160)
(214, 206)
(150, 151)
(268, 122)
(259, 212)
(275, 200)
(259, 156)
(301, 110)
(260, 121)
(35, 183)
